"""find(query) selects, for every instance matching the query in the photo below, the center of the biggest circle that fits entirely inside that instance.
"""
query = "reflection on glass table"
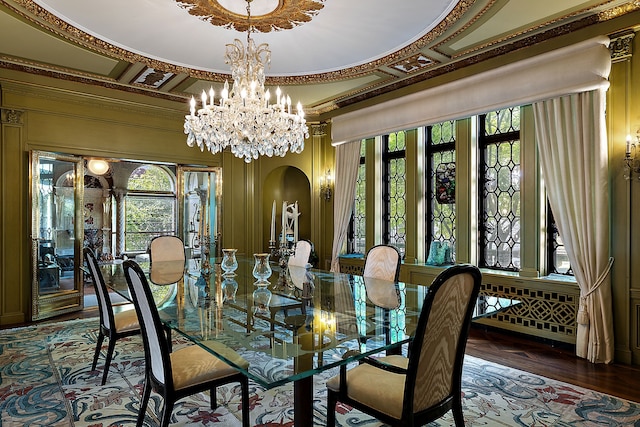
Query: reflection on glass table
(311, 321)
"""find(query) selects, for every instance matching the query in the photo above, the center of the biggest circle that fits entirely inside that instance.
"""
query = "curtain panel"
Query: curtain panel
(572, 142)
(347, 163)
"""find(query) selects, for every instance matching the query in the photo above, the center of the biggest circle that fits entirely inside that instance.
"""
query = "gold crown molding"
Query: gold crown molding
(621, 47)
(289, 14)
(74, 97)
(473, 59)
(466, 26)
(617, 11)
(88, 80)
(47, 20)
(590, 19)
(11, 117)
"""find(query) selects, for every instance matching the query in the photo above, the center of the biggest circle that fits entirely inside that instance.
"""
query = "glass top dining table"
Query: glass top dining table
(290, 326)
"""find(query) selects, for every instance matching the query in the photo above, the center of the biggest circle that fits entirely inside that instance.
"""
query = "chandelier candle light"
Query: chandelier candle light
(244, 118)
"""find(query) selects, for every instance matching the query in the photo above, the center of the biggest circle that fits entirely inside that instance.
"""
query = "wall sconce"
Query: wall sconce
(631, 163)
(326, 185)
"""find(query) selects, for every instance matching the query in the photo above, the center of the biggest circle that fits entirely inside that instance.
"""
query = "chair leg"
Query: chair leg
(244, 384)
(458, 417)
(107, 360)
(146, 393)
(214, 397)
(97, 352)
(332, 400)
(166, 412)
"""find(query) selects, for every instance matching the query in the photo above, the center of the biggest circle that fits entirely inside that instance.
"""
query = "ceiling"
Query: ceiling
(326, 54)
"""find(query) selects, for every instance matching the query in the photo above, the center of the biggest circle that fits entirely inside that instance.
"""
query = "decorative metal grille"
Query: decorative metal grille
(395, 190)
(441, 208)
(557, 259)
(356, 233)
(500, 183)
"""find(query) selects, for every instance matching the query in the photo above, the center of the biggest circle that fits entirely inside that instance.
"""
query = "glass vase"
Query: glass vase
(261, 269)
(261, 299)
(230, 287)
(229, 262)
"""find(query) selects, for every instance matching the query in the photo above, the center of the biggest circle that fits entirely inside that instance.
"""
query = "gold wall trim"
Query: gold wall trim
(621, 47)
(11, 117)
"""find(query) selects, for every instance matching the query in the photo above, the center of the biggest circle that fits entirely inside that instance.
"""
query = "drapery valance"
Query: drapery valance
(577, 68)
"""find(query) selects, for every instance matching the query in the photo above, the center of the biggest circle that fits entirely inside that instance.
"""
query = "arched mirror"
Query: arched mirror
(57, 229)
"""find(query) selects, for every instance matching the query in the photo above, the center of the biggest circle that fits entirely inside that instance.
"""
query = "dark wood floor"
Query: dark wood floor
(556, 361)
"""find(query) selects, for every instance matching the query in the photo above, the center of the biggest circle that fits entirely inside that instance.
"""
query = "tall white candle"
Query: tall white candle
(284, 222)
(295, 227)
(272, 238)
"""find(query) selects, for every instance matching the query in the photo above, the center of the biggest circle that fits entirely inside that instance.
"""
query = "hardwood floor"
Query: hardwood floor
(556, 361)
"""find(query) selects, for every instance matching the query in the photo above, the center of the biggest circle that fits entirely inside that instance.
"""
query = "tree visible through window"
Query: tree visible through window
(500, 190)
(394, 190)
(150, 206)
(356, 234)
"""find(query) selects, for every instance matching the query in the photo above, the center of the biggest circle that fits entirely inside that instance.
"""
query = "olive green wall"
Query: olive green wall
(40, 113)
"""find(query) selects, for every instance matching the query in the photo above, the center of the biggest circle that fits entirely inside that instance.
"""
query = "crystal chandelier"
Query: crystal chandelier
(244, 118)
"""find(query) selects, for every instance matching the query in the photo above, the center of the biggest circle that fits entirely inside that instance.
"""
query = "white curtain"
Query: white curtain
(347, 162)
(572, 142)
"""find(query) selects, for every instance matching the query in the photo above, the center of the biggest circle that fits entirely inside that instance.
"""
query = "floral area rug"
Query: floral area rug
(46, 380)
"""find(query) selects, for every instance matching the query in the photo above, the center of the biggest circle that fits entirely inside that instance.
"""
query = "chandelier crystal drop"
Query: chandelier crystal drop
(245, 118)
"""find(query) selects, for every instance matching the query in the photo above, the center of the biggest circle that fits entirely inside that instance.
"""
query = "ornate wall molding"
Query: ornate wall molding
(318, 129)
(621, 47)
(11, 117)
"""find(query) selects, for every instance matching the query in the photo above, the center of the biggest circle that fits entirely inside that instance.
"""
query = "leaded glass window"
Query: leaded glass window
(356, 234)
(499, 222)
(394, 190)
(557, 259)
(440, 186)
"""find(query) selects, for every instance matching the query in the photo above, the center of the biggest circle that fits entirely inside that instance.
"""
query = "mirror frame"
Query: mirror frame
(56, 303)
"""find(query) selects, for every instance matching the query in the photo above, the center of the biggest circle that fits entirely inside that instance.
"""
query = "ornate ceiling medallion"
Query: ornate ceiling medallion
(286, 15)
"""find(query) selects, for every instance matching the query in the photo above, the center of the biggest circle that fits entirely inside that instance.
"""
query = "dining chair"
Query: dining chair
(184, 372)
(166, 248)
(112, 325)
(301, 254)
(382, 262)
(426, 384)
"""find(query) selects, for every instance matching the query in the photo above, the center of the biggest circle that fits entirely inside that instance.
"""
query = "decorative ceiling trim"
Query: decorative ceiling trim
(287, 15)
(43, 18)
(602, 16)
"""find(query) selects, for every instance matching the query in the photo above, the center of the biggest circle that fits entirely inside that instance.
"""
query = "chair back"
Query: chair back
(156, 348)
(301, 254)
(166, 248)
(436, 354)
(105, 309)
(382, 262)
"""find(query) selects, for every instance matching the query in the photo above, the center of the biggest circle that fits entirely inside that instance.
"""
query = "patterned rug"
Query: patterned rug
(46, 380)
